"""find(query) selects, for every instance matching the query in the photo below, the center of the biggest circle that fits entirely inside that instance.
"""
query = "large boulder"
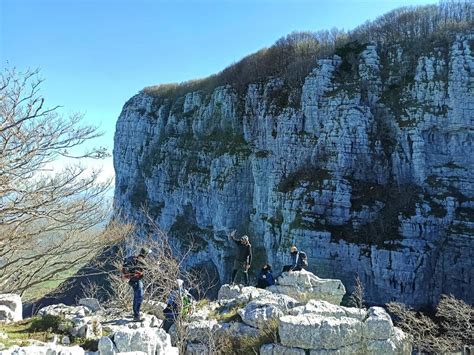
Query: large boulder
(106, 346)
(91, 303)
(312, 331)
(78, 321)
(378, 325)
(324, 328)
(194, 332)
(149, 340)
(259, 312)
(326, 309)
(304, 285)
(240, 294)
(67, 312)
(10, 307)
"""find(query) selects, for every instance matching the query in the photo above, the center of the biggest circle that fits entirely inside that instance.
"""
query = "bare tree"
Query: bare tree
(357, 296)
(450, 329)
(50, 222)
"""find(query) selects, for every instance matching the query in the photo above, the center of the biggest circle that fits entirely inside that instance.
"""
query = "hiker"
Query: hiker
(243, 258)
(299, 260)
(265, 277)
(179, 302)
(133, 270)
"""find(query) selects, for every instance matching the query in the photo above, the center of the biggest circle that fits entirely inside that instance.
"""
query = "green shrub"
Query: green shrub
(48, 323)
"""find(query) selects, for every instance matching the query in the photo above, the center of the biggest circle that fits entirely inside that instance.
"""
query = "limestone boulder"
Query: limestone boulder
(378, 325)
(67, 312)
(91, 303)
(259, 312)
(326, 309)
(312, 331)
(240, 294)
(106, 346)
(324, 328)
(304, 285)
(152, 341)
(10, 307)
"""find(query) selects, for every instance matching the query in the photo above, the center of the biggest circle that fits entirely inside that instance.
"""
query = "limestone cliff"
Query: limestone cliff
(367, 168)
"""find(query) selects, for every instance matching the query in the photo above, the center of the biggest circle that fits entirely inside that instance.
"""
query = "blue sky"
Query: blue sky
(95, 54)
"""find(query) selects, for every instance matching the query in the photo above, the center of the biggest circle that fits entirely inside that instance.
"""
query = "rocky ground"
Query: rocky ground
(299, 315)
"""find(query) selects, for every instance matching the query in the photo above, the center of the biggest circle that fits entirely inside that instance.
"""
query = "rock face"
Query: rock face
(10, 308)
(370, 173)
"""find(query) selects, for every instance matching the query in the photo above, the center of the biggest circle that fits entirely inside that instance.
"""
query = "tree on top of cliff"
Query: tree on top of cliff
(294, 56)
(49, 221)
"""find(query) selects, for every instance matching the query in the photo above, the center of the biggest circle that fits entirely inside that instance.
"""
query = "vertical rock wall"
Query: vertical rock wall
(371, 174)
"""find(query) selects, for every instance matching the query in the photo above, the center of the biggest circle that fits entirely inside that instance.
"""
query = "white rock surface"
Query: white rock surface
(49, 349)
(268, 307)
(316, 332)
(149, 340)
(304, 285)
(10, 307)
(106, 346)
(326, 309)
(324, 328)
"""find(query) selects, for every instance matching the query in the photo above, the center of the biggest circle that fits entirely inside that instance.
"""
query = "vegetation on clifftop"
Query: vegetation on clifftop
(294, 56)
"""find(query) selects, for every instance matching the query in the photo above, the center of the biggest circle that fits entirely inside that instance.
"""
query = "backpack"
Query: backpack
(129, 266)
(303, 258)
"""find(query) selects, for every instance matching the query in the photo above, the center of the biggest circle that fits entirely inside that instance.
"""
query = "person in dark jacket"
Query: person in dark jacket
(135, 274)
(298, 260)
(243, 259)
(265, 277)
(179, 303)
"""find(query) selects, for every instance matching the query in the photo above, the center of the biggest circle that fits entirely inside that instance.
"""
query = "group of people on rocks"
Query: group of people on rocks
(180, 299)
(265, 277)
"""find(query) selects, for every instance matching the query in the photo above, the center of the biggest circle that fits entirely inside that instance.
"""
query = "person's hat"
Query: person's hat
(244, 238)
(180, 282)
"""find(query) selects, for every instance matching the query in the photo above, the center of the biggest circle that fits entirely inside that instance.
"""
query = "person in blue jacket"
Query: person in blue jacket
(265, 277)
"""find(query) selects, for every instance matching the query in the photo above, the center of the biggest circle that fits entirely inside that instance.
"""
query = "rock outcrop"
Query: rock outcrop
(315, 326)
(330, 328)
(304, 285)
(10, 308)
(369, 170)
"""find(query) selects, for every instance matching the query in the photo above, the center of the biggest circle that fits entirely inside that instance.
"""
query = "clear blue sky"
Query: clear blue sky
(95, 54)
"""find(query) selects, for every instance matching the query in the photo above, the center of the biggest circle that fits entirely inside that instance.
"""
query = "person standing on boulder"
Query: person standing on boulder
(243, 258)
(299, 260)
(133, 269)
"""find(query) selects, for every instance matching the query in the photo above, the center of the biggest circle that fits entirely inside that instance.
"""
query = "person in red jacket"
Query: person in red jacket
(133, 270)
